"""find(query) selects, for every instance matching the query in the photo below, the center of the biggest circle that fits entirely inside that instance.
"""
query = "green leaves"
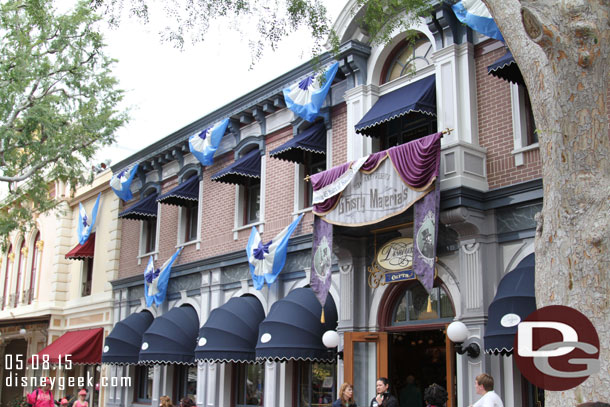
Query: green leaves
(58, 103)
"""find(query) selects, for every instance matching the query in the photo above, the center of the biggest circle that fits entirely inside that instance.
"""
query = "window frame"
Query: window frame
(86, 287)
(142, 372)
(6, 278)
(239, 369)
(186, 215)
(397, 51)
(34, 267)
(439, 289)
(299, 367)
(524, 126)
(20, 270)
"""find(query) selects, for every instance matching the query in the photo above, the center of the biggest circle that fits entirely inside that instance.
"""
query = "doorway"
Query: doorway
(14, 360)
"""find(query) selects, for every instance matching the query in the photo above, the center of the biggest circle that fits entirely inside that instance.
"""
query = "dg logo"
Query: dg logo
(557, 348)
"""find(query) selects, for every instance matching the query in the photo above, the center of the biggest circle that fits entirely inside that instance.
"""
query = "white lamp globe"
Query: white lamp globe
(22, 331)
(457, 332)
(330, 339)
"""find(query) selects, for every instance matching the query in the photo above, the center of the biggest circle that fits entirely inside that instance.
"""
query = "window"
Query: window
(20, 270)
(144, 383)
(407, 128)
(524, 126)
(185, 382)
(6, 276)
(190, 215)
(252, 200)
(416, 306)
(316, 384)
(249, 384)
(407, 58)
(34, 269)
(314, 163)
(87, 277)
(149, 235)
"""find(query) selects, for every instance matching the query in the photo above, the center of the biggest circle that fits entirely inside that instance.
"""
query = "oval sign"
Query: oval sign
(396, 255)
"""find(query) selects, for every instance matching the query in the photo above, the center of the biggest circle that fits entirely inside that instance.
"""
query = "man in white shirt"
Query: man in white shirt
(484, 385)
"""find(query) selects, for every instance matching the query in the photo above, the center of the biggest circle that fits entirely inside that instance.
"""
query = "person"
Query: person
(81, 402)
(165, 402)
(435, 396)
(63, 402)
(187, 402)
(346, 396)
(409, 395)
(42, 396)
(383, 397)
(484, 385)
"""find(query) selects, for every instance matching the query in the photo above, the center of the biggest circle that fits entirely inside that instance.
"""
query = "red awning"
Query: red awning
(83, 251)
(84, 347)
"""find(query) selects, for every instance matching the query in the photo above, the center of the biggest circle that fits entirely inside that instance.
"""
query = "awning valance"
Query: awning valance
(171, 338)
(144, 209)
(417, 97)
(84, 347)
(312, 140)
(246, 168)
(293, 331)
(231, 331)
(183, 194)
(514, 301)
(83, 251)
(123, 344)
(506, 68)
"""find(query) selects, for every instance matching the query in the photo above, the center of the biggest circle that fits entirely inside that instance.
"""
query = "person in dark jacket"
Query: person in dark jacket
(383, 397)
(346, 396)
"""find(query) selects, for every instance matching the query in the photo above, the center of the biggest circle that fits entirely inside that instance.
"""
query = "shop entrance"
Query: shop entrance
(416, 360)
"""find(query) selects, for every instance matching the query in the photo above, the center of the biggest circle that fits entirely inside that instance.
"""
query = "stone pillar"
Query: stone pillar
(272, 379)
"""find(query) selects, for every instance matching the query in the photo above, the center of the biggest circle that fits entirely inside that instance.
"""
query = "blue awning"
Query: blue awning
(171, 338)
(312, 140)
(514, 301)
(231, 331)
(418, 97)
(241, 171)
(506, 68)
(293, 331)
(122, 346)
(183, 194)
(144, 209)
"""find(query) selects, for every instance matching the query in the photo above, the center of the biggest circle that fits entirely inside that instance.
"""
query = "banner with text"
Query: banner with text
(371, 198)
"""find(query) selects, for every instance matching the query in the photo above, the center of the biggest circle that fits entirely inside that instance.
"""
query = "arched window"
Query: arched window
(34, 269)
(20, 271)
(6, 276)
(415, 306)
(407, 57)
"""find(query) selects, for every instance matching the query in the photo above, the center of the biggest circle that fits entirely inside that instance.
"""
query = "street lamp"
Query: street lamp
(458, 332)
(330, 339)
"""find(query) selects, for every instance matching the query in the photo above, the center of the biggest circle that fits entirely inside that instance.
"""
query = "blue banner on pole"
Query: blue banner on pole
(86, 224)
(204, 145)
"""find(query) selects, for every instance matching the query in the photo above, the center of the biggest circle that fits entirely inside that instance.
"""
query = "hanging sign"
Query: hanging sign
(393, 263)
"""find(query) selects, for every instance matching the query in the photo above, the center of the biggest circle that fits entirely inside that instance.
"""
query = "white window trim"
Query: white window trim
(155, 252)
(182, 223)
(240, 202)
(517, 99)
(299, 177)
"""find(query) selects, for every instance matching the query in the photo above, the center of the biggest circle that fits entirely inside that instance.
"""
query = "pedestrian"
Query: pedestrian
(187, 402)
(484, 385)
(383, 397)
(42, 396)
(63, 402)
(435, 396)
(166, 402)
(346, 396)
(410, 395)
(81, 402)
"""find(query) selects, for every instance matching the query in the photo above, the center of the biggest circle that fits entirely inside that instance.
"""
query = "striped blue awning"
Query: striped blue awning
(311, 140)
(417, 97)
(241, 171)
(183, 194)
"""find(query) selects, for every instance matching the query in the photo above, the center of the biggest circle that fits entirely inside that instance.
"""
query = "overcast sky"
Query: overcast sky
(166, 89)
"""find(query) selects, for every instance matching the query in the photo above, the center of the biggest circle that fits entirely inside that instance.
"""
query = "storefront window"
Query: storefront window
(316, 384)
(250, 384)
(144, 383)
(185, 382)
(416, 306)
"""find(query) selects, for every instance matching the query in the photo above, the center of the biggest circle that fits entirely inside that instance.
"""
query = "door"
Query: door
(365, 358)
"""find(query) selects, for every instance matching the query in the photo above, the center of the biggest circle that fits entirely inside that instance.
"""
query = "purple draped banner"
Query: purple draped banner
(321, 260)
(416, 162)
(425, 233)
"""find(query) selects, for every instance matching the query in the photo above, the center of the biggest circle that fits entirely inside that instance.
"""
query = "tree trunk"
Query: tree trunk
(562, 51)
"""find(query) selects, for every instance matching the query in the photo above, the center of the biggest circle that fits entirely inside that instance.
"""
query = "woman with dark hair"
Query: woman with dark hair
(435, 396)
(346, 396)
(383, 397)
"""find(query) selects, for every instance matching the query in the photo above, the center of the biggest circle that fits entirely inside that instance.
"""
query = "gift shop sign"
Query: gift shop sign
(393, 263)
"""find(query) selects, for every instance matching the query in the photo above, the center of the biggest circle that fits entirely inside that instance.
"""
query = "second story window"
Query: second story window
(313, 164)
(34, 270)
(7, 275)
(86, 277)
(252, 201)
(149, 235)
(191, 219)
(186, 195)
(20, 270)
(407, 58)
(145, 210)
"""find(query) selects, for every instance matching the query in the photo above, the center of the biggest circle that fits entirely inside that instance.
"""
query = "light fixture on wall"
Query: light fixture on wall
(331, 340)
(22, 331)
(458, 332)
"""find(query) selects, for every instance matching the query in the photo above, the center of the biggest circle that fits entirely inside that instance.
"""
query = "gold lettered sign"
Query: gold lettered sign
(393, 263)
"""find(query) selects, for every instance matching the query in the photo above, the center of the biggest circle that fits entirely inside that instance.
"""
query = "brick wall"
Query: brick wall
(339, 138)
(495, 125)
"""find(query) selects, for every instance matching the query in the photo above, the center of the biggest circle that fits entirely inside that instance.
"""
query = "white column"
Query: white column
(156, 390)
(359, 100)
(201, 383)
(272, 380)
